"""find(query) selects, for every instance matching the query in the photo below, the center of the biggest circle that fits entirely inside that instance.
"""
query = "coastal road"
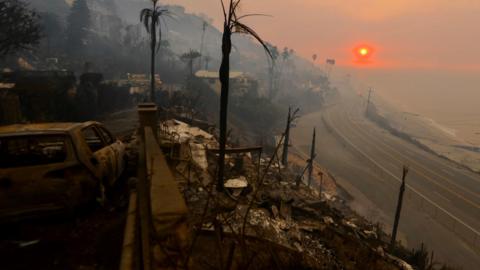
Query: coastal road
(442, 201)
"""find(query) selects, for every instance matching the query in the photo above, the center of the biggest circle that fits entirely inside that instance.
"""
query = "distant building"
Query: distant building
(140, 83)
(240, 82)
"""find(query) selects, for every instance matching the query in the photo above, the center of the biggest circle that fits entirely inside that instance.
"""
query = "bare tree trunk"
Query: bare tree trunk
(224, 74)
(287, 139)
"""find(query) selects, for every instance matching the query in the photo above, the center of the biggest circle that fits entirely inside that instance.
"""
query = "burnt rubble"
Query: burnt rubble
(264, 217)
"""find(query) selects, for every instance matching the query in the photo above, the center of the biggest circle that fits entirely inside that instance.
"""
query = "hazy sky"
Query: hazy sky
(427, 52)
(442, 34)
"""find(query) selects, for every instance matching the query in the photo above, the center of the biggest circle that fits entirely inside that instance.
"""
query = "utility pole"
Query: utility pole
(292, 116)
(399, 209)
(287, 139)
(368, 100)
(312, 157)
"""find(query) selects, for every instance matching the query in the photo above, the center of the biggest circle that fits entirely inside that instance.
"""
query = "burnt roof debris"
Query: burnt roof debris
(310, 230)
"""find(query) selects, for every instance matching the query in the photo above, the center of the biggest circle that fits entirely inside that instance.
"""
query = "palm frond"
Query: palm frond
(166, 13)
(252, 15)
(146, 23)
(145, 16)
(161, 10)
(244, 29)
(232, 11)
(145, 12)
(224, 11)
(159, 37)
(234, 6)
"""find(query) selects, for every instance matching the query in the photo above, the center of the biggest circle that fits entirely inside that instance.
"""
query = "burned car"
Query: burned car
(56, 166)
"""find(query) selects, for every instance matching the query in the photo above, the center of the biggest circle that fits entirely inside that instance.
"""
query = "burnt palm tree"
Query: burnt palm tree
(151, 19)
(189, 58)
(232, 24)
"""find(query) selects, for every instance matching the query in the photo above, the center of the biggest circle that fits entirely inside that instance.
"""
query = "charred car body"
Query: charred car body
(55, 166)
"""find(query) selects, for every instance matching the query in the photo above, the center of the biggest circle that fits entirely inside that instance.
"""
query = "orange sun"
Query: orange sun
(363, 53)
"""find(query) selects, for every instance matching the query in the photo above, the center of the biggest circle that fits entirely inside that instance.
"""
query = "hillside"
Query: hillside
(115, 29)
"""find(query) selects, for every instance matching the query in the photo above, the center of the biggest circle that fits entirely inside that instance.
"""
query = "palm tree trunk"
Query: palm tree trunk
(224, 74)
(152, 62)
(312, 157)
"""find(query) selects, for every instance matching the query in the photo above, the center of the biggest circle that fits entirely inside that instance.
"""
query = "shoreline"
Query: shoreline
(427, 134)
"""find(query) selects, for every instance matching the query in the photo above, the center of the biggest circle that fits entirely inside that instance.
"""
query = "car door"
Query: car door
(31, 172)
(117, 147)
(102, 155)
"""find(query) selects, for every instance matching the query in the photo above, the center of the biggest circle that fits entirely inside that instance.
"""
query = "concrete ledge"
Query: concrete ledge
(168, 208)
(148, 116)
(127, 261)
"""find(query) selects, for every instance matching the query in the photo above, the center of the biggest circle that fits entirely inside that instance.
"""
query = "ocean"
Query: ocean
(449, 99)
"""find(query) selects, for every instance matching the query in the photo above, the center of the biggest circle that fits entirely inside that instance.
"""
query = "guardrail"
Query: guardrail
(443, 216)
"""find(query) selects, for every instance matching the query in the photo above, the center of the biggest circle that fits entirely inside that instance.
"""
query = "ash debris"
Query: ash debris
(265, 217)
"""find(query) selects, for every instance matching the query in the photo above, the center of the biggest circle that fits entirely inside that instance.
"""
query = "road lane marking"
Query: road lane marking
(409, 186)
(447, 172)
(441, 196)
(432, 180)
(427, 170)
(456, 168)
(305, 156)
